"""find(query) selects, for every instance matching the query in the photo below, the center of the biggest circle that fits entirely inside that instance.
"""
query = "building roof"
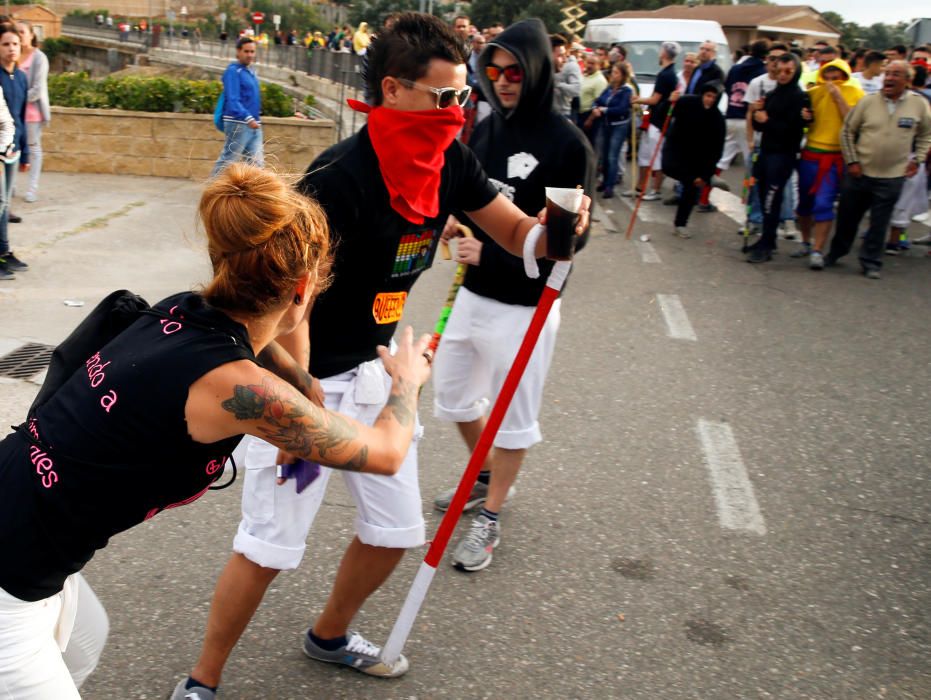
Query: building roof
(729, 15)
(32, 10)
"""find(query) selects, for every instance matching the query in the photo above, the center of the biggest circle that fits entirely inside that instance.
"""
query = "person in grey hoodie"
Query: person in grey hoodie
(38, 112)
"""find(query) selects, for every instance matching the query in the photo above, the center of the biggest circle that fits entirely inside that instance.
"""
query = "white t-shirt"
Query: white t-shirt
(759, 87)
(870, 85)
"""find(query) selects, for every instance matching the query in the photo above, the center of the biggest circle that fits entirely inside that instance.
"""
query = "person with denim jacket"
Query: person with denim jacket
(242, 106)
(15, 88)
(612, 108)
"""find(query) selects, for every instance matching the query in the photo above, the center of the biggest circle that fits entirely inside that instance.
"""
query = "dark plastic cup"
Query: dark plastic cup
(562, 216)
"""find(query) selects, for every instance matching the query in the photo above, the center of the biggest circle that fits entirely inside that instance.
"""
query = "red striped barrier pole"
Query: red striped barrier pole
(421, 584)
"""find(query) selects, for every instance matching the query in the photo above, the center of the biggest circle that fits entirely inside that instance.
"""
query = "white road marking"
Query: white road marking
(649, 212)
(648, 253)
(733, 492)
(677, 321)
(729, 205)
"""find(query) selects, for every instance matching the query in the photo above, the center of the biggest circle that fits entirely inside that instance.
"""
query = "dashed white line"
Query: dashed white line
(648, 253)
(677, 322)
(729, 205)
(733, 493)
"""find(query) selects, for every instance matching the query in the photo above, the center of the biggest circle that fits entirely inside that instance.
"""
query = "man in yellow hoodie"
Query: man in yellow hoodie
(821, 166)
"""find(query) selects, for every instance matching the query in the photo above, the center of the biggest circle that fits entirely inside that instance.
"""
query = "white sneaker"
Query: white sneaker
(30, 197)
(651, 196)
(682, 232)
(816, 260)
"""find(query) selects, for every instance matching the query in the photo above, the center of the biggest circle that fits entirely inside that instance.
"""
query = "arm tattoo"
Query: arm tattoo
(277, 361)
(312, 433)
(402, 404)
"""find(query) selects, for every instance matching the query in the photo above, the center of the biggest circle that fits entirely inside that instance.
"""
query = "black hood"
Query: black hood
(715, 86)
(528, 41)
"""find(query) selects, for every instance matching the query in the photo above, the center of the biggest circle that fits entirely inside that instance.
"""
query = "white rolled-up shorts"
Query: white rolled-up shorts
(276, 519)
(648, 147)
(478, 348)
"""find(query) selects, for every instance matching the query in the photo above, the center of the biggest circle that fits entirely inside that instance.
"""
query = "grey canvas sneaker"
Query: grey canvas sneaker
(196, 693)
(358, 653)
(474, 551)
(476, 498)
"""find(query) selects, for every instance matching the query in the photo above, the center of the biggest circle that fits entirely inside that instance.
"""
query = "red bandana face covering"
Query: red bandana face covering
(411, 152)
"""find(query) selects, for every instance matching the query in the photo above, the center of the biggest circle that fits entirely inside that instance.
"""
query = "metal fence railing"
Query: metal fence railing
(344, 68)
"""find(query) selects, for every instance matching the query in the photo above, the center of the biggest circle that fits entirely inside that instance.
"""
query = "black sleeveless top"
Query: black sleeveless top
(111, 447)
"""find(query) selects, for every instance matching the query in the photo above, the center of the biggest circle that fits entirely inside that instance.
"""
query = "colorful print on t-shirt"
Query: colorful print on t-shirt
(415, 253)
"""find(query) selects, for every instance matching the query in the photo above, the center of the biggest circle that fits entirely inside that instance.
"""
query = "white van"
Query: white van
(643, 37)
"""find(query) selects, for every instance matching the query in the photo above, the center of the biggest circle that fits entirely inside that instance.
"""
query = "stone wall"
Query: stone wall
(166, 144)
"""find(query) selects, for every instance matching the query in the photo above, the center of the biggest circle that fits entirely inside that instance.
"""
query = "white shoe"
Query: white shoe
(651, 196)
(30, 197)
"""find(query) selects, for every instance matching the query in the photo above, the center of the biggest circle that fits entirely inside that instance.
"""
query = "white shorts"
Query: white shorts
(736, 142)
(276, 519)
(647, 148)
(912, 201)
(49, 647)
(478, 348)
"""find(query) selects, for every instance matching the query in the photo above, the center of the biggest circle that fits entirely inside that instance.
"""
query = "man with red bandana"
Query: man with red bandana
(387, 192)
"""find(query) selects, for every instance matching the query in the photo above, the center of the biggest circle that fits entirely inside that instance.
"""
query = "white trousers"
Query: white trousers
(49, 647)
(276, 519)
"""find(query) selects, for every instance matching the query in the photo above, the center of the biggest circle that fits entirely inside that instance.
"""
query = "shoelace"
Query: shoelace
(478, 534)
(360, 645)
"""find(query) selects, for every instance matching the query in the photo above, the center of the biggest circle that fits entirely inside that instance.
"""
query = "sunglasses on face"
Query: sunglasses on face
(512, 73)
(445, 97)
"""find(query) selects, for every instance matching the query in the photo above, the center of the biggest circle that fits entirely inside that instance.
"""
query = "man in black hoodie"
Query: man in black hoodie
(782, 121)
(693, 147)
(524, 146)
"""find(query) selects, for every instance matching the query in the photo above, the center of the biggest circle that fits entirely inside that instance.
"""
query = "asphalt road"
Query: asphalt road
(744, 514)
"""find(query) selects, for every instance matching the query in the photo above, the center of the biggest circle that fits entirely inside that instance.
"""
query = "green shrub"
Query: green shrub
(56, 45)
(154, 94)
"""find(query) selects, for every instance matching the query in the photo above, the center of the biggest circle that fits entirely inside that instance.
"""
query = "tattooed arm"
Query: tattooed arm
(240, 397)
(282, 364)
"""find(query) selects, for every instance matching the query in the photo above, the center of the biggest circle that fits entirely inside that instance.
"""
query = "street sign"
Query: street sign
(184, 10)
(276, 19)
(258, 17)
(171, 15)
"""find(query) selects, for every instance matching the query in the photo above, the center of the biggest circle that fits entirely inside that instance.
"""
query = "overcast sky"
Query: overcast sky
(869, 11)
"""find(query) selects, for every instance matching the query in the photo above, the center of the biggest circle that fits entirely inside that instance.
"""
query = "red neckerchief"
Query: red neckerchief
(411, 148)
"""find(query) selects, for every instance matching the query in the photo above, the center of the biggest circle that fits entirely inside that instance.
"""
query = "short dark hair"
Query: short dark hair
(873, 57)
(557, 40)
(899, 48)
(920, 77)
(759, 48)
(827, 48)
(243, 40)
(778, 46)
(405, 50)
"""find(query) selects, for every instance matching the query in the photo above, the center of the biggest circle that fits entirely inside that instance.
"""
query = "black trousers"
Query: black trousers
(772, 172)
(687, 200)
(857, 196)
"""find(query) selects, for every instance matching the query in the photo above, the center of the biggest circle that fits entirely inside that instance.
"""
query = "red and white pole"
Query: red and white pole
(418, 591)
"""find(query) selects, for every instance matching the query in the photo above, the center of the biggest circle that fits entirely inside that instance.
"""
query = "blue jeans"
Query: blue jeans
(242, 144)
(612, 143)
(6, 192)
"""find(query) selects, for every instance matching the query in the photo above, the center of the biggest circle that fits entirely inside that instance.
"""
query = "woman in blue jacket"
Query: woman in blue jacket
(613, 109)
(15, 88)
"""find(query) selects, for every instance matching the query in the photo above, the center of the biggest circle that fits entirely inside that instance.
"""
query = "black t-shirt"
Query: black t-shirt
(666, 84)
(378, 254)
(522, 159)
(118, 451)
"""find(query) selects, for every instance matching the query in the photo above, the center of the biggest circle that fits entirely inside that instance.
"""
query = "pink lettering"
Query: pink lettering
(108, 400)
(193, 498)
(213, 466)
(170, 326)
(94, 359)
(32, 429)
(45, 467)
